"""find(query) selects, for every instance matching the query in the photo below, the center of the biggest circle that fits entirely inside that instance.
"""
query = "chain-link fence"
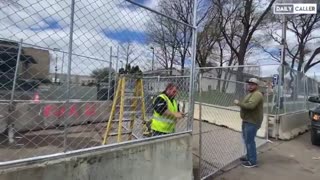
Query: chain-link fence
(218, 130)
(62, 63)
(62, 66)
(218, 126)
(293, 92)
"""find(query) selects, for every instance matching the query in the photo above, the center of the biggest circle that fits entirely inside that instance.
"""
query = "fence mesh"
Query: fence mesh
(220, 126)
(61, 62)
(294, 91)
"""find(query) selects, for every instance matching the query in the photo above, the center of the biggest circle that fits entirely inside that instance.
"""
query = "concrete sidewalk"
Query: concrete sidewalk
(282, 160)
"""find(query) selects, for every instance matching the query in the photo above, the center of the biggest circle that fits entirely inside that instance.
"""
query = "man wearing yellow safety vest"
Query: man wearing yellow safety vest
(165, 112)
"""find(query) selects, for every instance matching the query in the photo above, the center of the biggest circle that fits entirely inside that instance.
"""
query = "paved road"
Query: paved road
(283, 160)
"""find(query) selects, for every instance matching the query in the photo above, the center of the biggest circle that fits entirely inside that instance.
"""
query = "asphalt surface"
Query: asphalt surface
(281, 160)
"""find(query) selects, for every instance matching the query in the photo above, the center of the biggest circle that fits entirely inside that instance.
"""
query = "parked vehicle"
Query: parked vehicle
(314, 115)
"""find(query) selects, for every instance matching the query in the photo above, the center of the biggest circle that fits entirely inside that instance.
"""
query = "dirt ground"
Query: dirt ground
(281, 160)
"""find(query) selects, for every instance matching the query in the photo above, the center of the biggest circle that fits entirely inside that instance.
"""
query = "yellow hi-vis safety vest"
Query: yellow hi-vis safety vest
(162, 123)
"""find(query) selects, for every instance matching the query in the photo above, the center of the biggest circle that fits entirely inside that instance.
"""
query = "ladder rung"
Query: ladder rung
(123, 120)
(131, 112)
(133, 97)
(123, 133)
(128, 113)
(125, 106)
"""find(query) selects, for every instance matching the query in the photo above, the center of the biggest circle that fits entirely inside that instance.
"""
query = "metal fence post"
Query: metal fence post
(109, 73)
(158, 83)
(193, 67)
(62, 64)
(65, 142)
(16, 73)
(267, 112)
(200, 124)
(281, 73)
(11, 104)
(117, 66)
(306, 90)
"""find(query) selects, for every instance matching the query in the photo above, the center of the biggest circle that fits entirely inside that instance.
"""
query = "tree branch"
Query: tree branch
(255, 26)
(309, 65)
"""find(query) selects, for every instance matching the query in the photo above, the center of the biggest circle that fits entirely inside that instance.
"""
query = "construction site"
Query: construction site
(79, 79)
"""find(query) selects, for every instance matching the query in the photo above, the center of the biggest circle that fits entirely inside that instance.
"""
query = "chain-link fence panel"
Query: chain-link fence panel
(294, 90)
(220, 126)
(40, 109)
(70, 67)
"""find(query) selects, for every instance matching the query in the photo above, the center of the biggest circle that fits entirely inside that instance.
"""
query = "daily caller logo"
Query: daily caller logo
(305, 8)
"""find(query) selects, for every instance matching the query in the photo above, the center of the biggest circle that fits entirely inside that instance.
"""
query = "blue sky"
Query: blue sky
(129, 35)
(99, 24)
(50, 23)
(120, 35)
(126, 35)
(134, 7)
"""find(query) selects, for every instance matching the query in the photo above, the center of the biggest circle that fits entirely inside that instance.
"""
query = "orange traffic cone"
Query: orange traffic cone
(36, 98)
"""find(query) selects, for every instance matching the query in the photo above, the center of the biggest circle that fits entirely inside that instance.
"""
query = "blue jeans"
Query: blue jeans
(249, 132)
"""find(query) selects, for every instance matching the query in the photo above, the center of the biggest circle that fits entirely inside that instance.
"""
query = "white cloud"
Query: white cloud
(269, 43)
(29, 20)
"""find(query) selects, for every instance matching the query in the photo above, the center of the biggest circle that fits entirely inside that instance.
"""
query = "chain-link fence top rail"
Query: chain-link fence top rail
(221, 85)
(56, 104)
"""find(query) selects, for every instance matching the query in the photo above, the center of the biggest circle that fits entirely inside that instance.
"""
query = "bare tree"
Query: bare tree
(301, 51)
(183, 10)
(242, 18)
(162, 34)
(128, 52)
(238, 21)
(302, 26)
(174, 39)
(208, 37)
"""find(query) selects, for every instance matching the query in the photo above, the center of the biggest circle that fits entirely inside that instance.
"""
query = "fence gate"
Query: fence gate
(218, 126)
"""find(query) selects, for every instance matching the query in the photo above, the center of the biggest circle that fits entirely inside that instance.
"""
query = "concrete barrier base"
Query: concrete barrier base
(292, 125)
(166, 158)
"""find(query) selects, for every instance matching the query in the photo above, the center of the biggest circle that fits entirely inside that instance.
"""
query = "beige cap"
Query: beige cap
(253, 80)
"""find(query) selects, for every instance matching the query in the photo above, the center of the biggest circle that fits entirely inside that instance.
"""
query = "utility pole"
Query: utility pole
(56, 65)
(152, 62)
(110, 68)
(62, 64)
(55, 71)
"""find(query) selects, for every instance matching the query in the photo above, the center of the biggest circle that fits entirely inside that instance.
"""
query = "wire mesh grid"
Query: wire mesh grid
(296, 87)
(61, 62)
(219, 126)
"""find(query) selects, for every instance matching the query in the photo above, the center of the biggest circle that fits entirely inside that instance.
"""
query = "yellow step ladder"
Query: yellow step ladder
(119, 102)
